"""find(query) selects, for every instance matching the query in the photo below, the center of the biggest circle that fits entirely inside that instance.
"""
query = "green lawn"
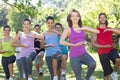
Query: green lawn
(70, 76)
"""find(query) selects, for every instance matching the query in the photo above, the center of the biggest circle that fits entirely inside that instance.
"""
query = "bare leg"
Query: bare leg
(10, 67)
(117, 64)
(106, 78)
(64, 58)
(39, 77)
(59, 74)
(54, 64)
(40, 57)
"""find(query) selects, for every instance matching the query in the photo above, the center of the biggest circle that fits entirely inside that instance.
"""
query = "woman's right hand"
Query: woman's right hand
(79, 44)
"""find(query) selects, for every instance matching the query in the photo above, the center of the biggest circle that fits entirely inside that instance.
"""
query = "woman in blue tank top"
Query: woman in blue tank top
(52, 49)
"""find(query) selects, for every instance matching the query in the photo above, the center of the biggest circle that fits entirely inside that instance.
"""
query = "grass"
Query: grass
(70, 75)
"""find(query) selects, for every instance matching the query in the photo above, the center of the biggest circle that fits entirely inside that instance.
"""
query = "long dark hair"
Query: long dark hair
(69, 20)
(106, 22)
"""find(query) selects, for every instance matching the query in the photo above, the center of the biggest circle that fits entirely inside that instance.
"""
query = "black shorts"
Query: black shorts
(57, 55)
(105, 61)
(9, 60)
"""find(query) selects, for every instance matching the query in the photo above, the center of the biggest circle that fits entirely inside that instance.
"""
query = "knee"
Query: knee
(92, 65)
(117, 61)
(64, 57)
(41, 56)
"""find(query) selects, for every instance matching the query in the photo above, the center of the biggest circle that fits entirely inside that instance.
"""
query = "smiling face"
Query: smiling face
(75, 17)
(58, 28)
(6, 31)
(50, 23)
(26, 25)
(37, 29)
(102, 19)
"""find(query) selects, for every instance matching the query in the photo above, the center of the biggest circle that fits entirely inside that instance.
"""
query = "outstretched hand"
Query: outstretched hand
(108, 29)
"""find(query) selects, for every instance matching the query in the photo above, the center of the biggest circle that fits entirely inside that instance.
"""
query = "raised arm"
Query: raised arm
(92, 30)
(88, 29)
(116, 31)
(15, 41)
(59, 33)
(36, 35)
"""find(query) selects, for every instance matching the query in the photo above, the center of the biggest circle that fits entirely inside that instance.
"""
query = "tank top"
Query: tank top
(29, 41)
(7, 46)
(104, 38)
(76, 37)
(51, 39)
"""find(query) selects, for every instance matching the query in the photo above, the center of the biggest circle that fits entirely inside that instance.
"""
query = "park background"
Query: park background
(13, 12)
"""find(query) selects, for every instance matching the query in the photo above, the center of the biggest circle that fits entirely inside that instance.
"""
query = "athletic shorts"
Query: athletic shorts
(105, 61)
(36, 58)
(57, 55)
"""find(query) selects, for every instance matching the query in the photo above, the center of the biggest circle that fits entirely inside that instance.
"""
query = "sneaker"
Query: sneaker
(41, 72)
(63, 77)
(10, 78)
(24, 76)
(114, 76)
(29, 78)
(91, 78)
(55, 78)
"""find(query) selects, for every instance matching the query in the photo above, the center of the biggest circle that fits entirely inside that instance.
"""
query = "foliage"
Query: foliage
(59, 9)
(3, 13)
(15, 19)
(24, 6)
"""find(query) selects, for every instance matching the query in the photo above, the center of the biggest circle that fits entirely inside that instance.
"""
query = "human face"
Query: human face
(37, 29)
(75, 17)
(6, 31)
(50, 23)
(26, 25)
(58, 28)
(102, 19)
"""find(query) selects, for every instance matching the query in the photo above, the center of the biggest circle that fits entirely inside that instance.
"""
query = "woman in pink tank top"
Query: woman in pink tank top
(28, 52)
(78, 53)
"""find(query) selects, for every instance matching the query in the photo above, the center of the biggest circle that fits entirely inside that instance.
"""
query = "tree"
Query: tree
(15, 19)
(3, 19)
(24, 6)
(3, 13)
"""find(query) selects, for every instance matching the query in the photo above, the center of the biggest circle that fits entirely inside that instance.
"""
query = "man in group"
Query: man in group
(104, 43)
(40, 53)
